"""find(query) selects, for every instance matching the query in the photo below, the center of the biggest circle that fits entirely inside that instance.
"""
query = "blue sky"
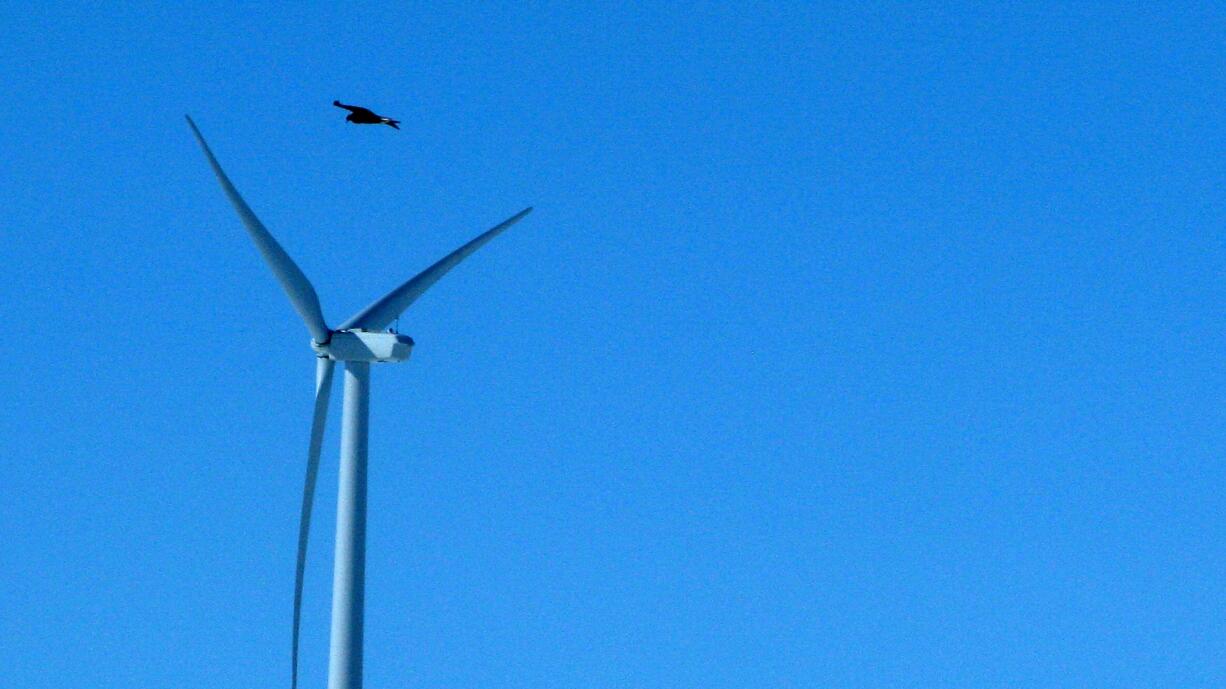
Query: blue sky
(846, 347)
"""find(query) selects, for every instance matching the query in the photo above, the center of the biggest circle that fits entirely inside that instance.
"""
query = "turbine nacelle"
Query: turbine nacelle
(363, 345)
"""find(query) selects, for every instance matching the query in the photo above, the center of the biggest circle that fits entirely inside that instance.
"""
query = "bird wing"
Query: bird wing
(355, 109)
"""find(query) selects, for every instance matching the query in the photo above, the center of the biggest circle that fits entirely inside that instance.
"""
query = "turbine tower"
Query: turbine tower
(358, 342)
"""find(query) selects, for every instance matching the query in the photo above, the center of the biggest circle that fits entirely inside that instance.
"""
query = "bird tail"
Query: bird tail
(394, 124)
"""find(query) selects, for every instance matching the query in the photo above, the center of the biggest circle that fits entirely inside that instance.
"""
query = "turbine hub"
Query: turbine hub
(362, 345)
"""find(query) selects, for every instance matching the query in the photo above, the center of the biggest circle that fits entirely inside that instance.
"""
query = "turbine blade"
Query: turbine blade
(323, 389)
(385, 310)
(296, 285)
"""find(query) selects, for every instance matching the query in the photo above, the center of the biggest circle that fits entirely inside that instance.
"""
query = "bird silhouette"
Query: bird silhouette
(360, 115)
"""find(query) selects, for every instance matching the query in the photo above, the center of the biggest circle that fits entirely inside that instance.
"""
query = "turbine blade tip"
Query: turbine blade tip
(195, 130)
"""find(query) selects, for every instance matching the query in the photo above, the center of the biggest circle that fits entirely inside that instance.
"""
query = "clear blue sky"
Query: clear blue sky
(859, 348)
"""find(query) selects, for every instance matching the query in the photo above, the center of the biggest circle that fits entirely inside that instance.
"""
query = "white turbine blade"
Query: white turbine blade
(323, 388)
(293, 281)
(385, 310)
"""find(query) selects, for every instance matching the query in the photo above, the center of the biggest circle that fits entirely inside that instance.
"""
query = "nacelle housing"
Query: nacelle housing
(360, 345)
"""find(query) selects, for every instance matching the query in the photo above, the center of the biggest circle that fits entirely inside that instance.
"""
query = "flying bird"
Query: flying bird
(360, 115)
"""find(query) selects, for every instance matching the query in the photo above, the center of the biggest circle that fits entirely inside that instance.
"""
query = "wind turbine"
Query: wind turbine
(358, 342)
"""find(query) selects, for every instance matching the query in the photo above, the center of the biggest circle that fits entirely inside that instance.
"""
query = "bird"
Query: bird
(360, 115)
